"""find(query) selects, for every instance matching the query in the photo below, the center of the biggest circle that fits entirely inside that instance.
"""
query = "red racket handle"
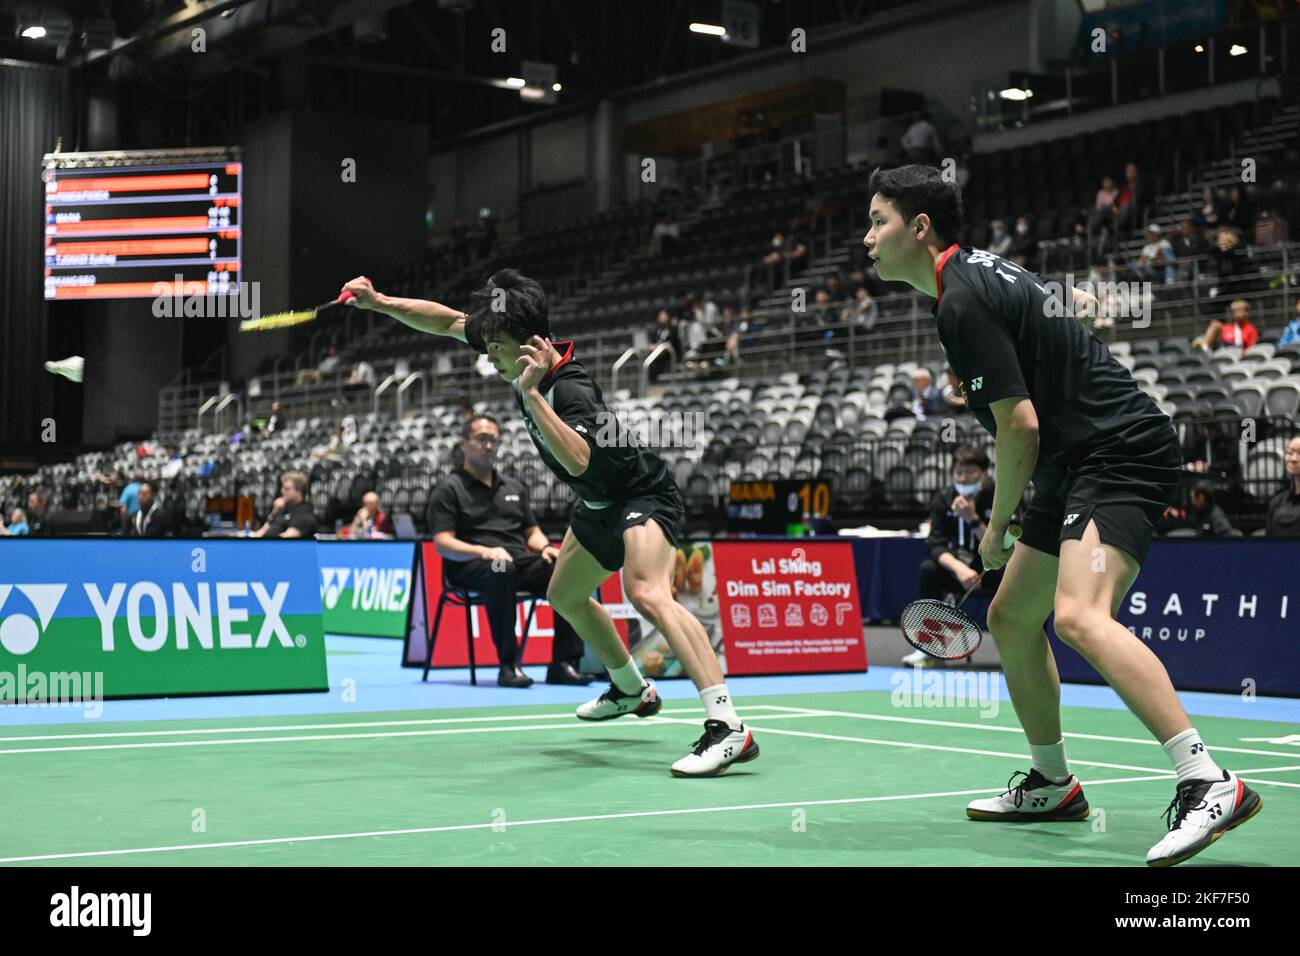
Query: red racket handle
(346, 295)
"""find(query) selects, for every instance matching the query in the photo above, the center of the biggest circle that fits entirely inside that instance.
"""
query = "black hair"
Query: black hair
(1206, 490)
(511, 303)
(469, 423)
(917, 189)
(971, 455)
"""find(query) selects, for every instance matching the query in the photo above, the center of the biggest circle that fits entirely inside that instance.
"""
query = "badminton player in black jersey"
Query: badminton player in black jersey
(1105, 463)
(628, 514)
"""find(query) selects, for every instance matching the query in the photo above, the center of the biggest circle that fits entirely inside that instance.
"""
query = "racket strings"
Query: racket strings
(939, 629)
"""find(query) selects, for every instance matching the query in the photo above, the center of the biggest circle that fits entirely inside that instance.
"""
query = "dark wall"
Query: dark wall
(34, 107)
(130, 354)
(369, 227)
(307, 231)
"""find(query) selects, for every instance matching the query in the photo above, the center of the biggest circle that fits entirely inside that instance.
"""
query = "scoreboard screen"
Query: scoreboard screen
(140, 231)
(776, 507)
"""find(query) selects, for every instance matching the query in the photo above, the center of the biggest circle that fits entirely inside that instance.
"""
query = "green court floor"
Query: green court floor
(843, 778)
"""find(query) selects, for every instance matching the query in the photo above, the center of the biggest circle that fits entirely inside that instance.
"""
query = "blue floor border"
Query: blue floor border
(365, 677)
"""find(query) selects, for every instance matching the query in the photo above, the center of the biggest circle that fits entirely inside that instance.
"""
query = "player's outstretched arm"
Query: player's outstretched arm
(422, 315)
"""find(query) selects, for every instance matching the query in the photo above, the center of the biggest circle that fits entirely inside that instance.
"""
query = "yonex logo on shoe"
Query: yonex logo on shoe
(1215, 812)
(1037, 802)
(19, 634)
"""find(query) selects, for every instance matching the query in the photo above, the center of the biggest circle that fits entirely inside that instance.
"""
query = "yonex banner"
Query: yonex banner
(365, 587)
(1222, 615)
(789, 607)
(162, 618)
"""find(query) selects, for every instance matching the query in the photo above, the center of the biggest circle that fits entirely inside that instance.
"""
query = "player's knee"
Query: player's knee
(564, 601)
(1077, 625)
(1006, 622)
(649, 598)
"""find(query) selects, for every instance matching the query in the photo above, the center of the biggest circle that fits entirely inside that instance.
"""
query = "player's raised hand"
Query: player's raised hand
(539, 355)
(363, 292)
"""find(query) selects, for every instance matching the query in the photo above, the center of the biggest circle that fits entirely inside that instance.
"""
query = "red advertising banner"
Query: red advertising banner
(451, 648)
(789, 607)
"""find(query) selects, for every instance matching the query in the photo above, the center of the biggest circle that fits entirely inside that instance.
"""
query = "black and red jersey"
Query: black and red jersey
(1006, 334)
(619, 467)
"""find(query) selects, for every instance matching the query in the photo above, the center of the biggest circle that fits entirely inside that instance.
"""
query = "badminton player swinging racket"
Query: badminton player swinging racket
(1105, 463)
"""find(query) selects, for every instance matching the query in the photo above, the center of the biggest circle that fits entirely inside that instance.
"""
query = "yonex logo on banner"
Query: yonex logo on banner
(333, 581)
(19, 633)
(373, 589)
(193, 611)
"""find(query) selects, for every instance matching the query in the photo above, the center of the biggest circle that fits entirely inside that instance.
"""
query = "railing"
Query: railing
(1115, 76)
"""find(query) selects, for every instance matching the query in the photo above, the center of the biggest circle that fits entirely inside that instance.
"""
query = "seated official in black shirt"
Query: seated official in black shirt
(959, 514)
(1207, 517)
(1284, 507)
(295, 519)
(484, 529)
(152, 520)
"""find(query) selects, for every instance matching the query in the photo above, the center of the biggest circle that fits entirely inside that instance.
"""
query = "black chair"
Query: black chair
(463, 597)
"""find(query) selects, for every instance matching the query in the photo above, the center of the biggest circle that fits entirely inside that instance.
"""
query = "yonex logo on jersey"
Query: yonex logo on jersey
(19, 634)
(579, 428)
(1070, 519)
(976, 383)
(631, 515)
(512, 497)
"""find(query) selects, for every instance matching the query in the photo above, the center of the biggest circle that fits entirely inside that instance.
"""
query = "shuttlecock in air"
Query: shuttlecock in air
(70, 368)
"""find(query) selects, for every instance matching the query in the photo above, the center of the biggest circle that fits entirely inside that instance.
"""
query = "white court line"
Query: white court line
(959, 750)
(1146, 741)
(412, 831)
(155, 745)
(565, 715)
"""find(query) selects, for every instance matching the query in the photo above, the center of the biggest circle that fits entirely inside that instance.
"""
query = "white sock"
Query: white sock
(1190, 758)
(627, 678)
(717, 705)
(1049, 760)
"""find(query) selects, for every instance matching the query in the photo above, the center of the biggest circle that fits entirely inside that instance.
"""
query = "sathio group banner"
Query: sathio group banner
(366, 586)
(163, 618)
(766, 606)
(1222, 615)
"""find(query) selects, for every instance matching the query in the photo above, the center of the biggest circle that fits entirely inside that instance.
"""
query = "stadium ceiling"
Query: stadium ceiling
(431, 60)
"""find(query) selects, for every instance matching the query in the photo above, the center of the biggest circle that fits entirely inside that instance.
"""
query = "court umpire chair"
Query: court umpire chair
(463, 597)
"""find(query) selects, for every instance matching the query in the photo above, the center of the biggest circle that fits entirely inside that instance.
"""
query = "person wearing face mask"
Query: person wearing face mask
(1023, 246)
(1000, 241)
(959, 514)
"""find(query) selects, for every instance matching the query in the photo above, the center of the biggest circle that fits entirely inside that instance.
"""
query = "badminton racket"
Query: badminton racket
(944, 630)
(280, 320)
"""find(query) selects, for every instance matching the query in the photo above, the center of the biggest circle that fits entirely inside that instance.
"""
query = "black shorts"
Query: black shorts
(600, 530)
(1124, 489)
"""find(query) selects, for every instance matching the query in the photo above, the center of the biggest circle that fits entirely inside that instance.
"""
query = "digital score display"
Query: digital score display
(776, 507)
(117, 232)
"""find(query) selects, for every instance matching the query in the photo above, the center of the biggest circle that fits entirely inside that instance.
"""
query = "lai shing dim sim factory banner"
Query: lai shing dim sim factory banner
(365, 587)
(789, 607)
(768, 607)
(1221, 615)
(164, 618)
